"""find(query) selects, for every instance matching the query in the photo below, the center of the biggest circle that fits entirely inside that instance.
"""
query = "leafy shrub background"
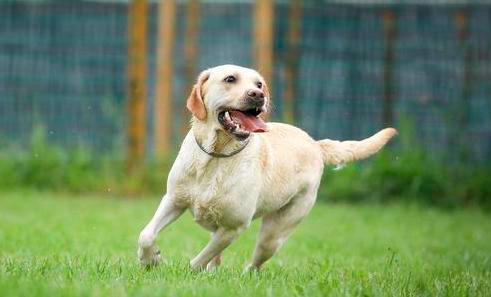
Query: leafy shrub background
(402, 172)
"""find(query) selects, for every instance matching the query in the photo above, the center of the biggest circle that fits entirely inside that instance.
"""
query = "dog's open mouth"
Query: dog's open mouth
(241, 123)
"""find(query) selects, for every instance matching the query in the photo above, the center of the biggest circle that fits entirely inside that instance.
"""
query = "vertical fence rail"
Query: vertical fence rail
(463, 110)
(190, 53)
(263, 39)
(137, 68)
(292, 57)
(389, 20)
(163, 88)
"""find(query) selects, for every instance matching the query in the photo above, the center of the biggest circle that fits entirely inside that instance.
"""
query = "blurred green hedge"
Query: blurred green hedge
(412, 177)
(401, 172)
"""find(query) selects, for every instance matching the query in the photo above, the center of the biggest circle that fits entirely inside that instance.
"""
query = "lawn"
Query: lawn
(54, 244)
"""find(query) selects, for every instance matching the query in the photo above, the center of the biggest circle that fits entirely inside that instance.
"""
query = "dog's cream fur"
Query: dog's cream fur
(275, 177)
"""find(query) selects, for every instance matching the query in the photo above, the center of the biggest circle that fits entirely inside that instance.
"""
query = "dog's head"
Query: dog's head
(230, 98)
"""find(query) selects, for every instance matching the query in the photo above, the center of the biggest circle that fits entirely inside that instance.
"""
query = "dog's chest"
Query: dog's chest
(217, 194)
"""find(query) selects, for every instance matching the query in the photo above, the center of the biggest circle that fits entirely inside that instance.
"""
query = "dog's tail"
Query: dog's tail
(341, 152)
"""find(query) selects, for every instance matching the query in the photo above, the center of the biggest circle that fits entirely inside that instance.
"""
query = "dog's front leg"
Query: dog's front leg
(219, 241)
(167, 212)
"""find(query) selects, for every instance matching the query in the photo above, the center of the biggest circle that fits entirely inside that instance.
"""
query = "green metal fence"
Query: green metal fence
(358, 67)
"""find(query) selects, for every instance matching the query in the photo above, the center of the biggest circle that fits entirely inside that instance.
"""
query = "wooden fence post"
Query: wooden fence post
(163, 87)
(390, 36)
(263, 39)
(291, 63)
(462, 23)
(137, 59)
(190, 53)
(461, 117)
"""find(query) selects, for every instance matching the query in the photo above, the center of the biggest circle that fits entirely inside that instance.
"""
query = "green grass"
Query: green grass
(55, 244)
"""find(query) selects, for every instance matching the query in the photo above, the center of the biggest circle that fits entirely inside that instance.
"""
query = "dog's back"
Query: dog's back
(290, 148)
(288, 152)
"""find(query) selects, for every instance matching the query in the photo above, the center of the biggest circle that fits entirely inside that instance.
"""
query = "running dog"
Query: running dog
(234, 167)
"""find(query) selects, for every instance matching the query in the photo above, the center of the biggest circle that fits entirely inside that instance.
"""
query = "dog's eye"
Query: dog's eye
(230, 79)
(259, 84)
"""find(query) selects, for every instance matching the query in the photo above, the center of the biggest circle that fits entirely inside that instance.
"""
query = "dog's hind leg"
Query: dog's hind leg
(219, 241)
(167, 212)
(277, 226)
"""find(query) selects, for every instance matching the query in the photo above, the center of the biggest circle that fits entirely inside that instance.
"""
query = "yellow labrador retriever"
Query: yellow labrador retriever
(234, 167)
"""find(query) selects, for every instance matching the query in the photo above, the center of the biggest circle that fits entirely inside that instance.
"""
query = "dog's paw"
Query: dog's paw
(214, 263)
(195, 266)
(250, 269)
(149, 257)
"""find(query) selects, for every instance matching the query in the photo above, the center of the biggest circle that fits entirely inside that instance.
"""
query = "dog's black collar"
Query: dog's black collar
(220, 155)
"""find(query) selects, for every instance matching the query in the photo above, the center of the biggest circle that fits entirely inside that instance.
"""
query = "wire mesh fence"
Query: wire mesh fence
(350, 69)
(62, 66)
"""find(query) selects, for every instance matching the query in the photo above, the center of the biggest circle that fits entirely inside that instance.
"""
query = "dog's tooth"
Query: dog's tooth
(227, 116)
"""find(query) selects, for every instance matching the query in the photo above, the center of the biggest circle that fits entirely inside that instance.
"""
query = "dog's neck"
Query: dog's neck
(214, 140)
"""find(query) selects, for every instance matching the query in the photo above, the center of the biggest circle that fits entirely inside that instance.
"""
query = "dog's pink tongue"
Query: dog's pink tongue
(248, 122)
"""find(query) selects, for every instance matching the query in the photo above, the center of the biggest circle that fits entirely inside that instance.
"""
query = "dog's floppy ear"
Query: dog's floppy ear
(195, 102)
(267, 94)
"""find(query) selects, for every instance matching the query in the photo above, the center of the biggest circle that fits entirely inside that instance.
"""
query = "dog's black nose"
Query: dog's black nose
(255, 96)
